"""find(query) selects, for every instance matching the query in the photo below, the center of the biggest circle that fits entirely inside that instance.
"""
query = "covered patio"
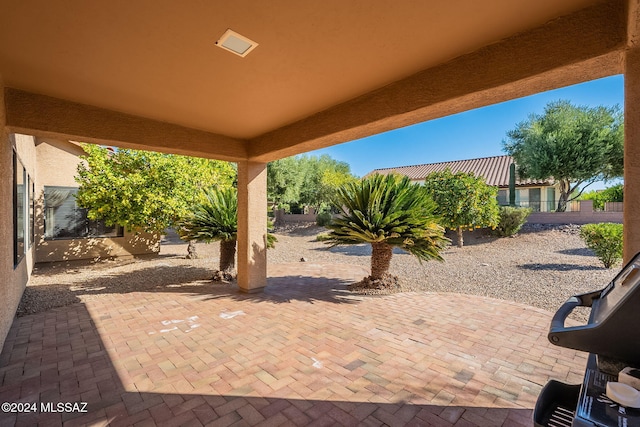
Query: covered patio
(148, 75)
(304, 352)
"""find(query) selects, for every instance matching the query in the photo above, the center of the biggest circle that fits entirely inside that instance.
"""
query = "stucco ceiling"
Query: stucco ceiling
(157, 58)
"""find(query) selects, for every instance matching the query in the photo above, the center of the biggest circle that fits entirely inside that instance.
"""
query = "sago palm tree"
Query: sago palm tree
(386, 212)
(215, 219)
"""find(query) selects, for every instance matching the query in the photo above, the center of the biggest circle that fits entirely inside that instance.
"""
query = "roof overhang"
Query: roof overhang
(148, 75)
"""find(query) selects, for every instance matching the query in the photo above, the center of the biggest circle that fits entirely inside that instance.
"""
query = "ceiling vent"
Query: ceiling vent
(236, 43)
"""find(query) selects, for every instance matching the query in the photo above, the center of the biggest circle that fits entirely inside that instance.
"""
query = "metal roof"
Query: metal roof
(495, 170)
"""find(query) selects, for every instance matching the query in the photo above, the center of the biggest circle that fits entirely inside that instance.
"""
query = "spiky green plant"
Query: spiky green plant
(215, 219)
(386, 212)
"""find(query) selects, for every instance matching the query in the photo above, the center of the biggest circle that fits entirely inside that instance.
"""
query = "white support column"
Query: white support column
(252, 226)
(632, 153)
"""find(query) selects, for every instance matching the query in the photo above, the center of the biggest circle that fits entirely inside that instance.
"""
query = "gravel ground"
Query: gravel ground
(541, 266)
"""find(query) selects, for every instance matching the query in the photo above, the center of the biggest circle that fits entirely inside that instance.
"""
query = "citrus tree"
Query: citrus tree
(386, 212)
(143, 190)
(464, 201)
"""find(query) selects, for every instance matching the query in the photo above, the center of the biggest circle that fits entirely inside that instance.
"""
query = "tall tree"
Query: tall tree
(284, 180)
(464, 201)
(308, 180)
(143, 190)
(386, 212)
(322, 177)
(574, 145)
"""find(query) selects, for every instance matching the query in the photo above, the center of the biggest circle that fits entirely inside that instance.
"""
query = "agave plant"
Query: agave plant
(215, 219)
(386, 212)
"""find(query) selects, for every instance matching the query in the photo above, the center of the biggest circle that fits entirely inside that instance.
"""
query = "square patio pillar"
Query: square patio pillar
(631, 154)
(252, 226)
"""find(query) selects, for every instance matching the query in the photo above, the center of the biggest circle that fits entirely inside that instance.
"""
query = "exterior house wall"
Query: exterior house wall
(545, 204)
(14, 277)
(57, 166)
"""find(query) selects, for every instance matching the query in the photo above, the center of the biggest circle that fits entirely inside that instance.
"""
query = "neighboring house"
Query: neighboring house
(540, 195)
(59, 228)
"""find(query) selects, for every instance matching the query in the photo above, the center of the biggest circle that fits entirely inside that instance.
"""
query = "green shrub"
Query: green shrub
(610, 194)
(605, 239)
(511, 220)
(323, 237)
(323, 218)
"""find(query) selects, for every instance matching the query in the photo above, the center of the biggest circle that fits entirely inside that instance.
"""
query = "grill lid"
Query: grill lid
(614, 325)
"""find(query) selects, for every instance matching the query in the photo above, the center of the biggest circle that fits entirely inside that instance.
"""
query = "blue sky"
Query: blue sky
(468, 135)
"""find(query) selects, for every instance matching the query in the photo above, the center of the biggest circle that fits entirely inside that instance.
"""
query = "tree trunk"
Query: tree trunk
(460, 237)
(380, 259)
(227, 255)
(564, 195)
(191, 250)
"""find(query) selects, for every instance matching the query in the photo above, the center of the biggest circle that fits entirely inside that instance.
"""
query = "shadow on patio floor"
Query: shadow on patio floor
(173, 356)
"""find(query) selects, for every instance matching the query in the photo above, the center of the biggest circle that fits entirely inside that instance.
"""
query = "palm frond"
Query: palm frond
(216, 218)
(389, 209)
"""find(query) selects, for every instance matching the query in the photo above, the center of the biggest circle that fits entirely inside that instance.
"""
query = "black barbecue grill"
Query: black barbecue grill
(612, 337)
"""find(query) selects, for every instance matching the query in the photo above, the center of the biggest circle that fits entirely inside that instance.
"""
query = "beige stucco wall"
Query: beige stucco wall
(57, 164)
(14, 277)
(252, 226)
(131, 244)
(585, 215)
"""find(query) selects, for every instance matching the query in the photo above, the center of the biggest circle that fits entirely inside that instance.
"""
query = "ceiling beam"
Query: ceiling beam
(572, 49)
(48, 117)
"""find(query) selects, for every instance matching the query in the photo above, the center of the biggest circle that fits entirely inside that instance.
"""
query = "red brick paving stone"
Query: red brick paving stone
(342, 417)
(451, 414)
(140, 416)
(231, 406)
(323, 421)
(415, 347)
(431, 414)
(274, 408)
(296, 416)
(205, 413)
(276, 420)
(519, 417)
(225, 421)
(184, 419)
(250, 414)
(188, 405)
(464, 423)
(372, 422)
(363, 410)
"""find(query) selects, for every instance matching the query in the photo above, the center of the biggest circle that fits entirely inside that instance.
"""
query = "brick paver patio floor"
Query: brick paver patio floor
(303, 353)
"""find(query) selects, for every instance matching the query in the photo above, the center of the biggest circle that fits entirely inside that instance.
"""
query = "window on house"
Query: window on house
(534, 199)
(23, 210)
(31, 188)
(64, 219)
(19, 210)
(551, 199)
(503, 197)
